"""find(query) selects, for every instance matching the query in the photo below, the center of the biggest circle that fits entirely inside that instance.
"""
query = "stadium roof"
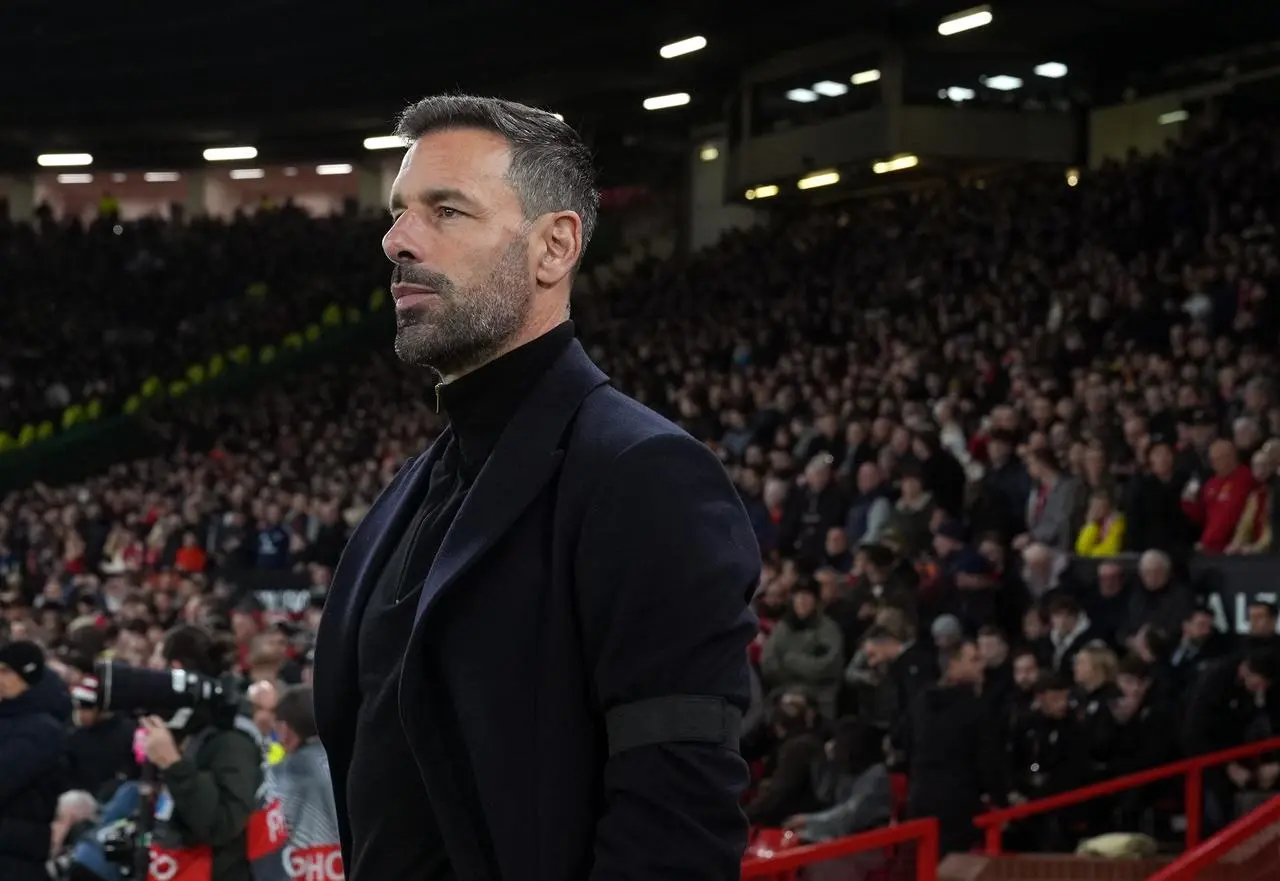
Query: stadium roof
(150, 83)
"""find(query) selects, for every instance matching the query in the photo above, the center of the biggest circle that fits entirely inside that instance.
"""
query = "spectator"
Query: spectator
(855, 783)
(871, 509)
(1050, 503)
(1217, 506)
(1233, 703)
(1103, 532)
(1049, 755)
(32, 771)
(1253, 530)
(1094, 671)
(908, 667)
(805, 651)
(306, 792)
(1199, 646)
(1262, 633)
(1108, 606)
(1154, 517)
(1162, 602)
(953, 751)
(1070, 630)
(912, 516)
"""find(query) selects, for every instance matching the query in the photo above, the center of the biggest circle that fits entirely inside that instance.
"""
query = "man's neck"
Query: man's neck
(535, 328)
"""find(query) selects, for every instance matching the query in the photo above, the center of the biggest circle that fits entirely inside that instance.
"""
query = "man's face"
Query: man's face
(967, 667)
(803, 603)
(462, 282)
(1261, 623)
(1054, 704)
(1197, 627)
(1025, 672)
(10, 683)
(1062, 622)
(993, 650)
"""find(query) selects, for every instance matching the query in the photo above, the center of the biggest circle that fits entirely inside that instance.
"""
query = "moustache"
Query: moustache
(422, 277)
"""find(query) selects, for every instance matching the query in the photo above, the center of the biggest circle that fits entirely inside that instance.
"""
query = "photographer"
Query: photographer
(210, 781)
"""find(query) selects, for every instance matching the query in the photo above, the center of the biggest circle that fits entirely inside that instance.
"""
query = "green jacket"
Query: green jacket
(214, 794)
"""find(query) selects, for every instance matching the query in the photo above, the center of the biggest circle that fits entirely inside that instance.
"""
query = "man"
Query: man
(532, 664)
(953, 748)
(306, 790)
(32, 765)
(1216, 507)
(1070, 630)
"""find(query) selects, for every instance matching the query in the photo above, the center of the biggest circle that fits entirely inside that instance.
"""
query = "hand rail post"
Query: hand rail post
(927, 854)
(1194, 797)
(995, 839)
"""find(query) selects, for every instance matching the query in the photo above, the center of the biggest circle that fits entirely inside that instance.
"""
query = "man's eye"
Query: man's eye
(446, 212)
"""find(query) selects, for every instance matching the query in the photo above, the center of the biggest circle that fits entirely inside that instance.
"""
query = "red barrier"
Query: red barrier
(1193, 769)
(784, 864)
(1256, 822)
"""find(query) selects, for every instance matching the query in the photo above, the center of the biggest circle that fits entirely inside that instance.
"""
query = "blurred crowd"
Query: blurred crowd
(94, 310)
(935, 405)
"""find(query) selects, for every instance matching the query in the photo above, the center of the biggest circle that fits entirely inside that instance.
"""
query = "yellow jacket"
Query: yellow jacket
(1104, 539)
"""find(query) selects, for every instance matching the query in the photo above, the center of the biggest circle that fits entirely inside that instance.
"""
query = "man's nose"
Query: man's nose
(398, 245)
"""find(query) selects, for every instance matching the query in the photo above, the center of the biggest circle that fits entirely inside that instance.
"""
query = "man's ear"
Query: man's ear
(561, 247)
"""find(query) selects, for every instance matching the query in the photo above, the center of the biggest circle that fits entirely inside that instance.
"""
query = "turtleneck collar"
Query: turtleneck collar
(480, 404)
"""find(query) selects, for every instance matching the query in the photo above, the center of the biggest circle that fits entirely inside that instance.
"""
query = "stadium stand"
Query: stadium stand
(1010, 448)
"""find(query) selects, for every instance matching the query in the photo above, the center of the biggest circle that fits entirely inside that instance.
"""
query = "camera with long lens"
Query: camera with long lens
(133, 690)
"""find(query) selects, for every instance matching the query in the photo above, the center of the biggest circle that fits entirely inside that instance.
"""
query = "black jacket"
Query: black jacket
(101, 756)
(955, 757)
(33, 775)
(598, 561)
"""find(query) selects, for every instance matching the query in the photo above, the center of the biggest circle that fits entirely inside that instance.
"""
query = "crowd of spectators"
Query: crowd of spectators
(94, 310)
(934, 405)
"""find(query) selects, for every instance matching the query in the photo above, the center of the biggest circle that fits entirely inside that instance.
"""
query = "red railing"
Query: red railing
(993, 822)
(1189, 865)
(786, 863)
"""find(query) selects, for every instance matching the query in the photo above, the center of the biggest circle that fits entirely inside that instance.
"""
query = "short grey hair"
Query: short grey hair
(78, 803)
(1155, 558)
(551, 168)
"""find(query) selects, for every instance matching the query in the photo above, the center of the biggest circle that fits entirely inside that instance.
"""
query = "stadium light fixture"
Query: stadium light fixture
(63, 160)
(559, 116)
(75, 178)
(830, 88)
(1173, 116)
(762, 192)
(709, 153)
(683, 47)
(802, 96)
(897, 163)
(384, 142)
(967, 20)
(1073, 176)
(335, 168)
(230, 154)
(666, 102)
(862, 77)
(818, 179)
(957, 94)
(1002, 82)
(247, 174)
(161, 177)
(1054, 70)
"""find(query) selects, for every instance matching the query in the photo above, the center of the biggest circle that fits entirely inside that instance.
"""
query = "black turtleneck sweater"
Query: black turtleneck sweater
(394, 830)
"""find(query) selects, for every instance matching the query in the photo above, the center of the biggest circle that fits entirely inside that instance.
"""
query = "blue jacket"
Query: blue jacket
(601, 558)
(33, 774)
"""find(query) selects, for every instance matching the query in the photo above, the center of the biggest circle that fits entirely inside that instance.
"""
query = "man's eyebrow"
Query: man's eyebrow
(434, 196)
